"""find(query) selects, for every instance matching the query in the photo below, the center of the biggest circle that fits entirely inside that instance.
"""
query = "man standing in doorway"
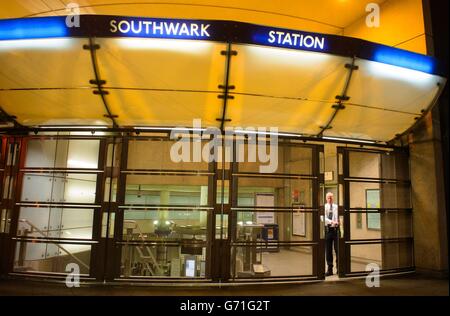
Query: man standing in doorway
(331, 232)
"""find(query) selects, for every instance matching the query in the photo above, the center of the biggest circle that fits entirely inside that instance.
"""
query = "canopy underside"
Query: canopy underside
(166, 83)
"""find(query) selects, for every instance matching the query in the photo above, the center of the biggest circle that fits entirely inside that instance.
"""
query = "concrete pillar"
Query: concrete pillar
(428, 197)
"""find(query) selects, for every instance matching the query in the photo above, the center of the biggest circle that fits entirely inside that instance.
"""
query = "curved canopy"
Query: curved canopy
(168, 82)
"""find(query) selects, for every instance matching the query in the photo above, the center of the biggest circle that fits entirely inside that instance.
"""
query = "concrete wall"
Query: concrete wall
(429, 215)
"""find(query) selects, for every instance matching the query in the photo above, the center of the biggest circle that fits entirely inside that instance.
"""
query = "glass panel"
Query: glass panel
(45, 257)
(390, 195)
(108, 189)
(109, 155)
(340, 164)
(55, 222)
(310, 75)
(156, 154)
(221, 226)
(392, 87)
(168, 261)
(364, 164)
(287, 159)
(56, 106)
(83, 154)
(391, 255)
(341, 195)
(62, 153)
(225, 192)
(370, 123)
(59, 187)
(258, 262)
(13, 154)
(173, 224)
(285, 191)
(4, 221)
(166, 190)
(7, 192)
(38, 63)
(391, 224)
(287, 226)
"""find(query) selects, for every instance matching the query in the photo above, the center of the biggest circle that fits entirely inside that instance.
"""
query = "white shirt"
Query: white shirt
(334, 209)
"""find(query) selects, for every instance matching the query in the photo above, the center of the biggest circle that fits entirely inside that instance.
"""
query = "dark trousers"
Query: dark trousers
(331, 238)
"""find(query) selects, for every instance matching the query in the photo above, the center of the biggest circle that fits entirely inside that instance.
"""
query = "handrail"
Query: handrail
(34, 227)
(141, 236)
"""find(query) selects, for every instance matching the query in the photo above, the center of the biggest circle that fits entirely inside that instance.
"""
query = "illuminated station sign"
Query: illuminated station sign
(213, 30)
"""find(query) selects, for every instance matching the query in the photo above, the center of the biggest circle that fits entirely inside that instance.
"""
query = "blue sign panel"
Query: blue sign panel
(405, 59)
(289, 39)
(222, 31)
(33, 28)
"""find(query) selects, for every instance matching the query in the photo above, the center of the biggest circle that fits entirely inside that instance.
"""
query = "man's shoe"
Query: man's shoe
(328, 273)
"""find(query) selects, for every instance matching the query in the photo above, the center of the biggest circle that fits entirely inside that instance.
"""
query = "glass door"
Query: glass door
(377, 211)
(275, 216)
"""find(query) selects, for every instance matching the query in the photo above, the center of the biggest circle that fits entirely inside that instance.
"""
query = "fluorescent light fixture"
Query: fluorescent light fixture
(414, 77)
(181, 46)
(33, 28)
(248, 222)
(404, 59)
(288, 57)
(155, 222)
(37, 44)
(266, 133)
(152, 128)
(349, 140)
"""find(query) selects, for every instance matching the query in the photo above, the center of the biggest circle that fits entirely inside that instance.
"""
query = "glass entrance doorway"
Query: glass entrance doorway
(121, 208)
(375, 205)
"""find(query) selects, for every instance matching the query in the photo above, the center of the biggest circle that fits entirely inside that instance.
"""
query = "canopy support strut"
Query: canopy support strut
(340, 98)
(226, 87)
(99, 82)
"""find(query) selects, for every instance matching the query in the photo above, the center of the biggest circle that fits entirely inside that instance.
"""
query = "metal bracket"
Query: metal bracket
(342, 97)
(230, 87)
(351, 66)
(101, 92)
(338, 106)
(228, 53)
(90, 47)
(222, 96)
(97, 82)
(225, 120)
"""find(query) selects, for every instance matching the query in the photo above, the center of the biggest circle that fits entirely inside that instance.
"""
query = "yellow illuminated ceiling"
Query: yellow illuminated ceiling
(166, 83)
(401, 21)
